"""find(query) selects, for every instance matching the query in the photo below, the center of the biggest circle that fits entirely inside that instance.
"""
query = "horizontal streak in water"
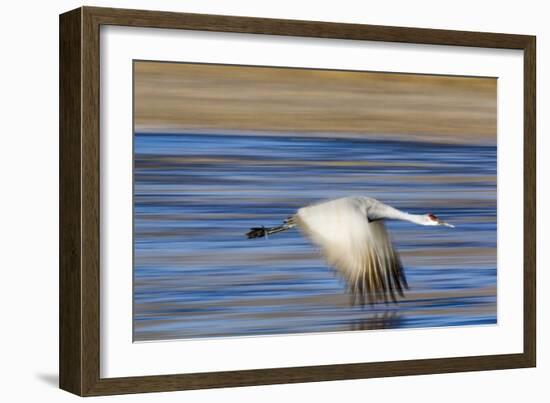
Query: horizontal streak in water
(195, 274)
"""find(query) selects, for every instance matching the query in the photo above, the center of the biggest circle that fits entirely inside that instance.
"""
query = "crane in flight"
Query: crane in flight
(351, 234)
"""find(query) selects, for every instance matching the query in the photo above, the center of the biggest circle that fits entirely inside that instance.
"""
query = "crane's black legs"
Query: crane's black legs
(259, 232)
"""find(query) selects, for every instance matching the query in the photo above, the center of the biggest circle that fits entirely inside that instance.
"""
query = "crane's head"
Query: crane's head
(431, 219)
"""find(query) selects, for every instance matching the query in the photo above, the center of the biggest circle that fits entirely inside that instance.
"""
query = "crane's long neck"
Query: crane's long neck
(394, 214)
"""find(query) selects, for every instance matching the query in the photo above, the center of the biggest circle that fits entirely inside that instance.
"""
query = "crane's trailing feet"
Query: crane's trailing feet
(259, 232)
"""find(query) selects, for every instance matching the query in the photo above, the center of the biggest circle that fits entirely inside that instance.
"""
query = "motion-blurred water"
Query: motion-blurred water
(196, 195)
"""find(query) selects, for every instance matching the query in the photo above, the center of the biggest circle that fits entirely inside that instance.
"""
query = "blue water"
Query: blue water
(196, 195)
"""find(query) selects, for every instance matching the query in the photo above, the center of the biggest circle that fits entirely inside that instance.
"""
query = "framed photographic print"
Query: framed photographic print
(249, 201)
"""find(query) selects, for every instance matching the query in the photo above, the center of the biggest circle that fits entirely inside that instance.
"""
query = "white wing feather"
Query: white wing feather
(360, 250)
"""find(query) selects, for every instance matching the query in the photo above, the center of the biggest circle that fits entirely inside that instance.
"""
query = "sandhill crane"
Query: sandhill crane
(351, 234)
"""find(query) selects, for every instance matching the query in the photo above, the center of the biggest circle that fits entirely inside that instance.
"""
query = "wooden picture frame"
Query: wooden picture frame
(79, 348)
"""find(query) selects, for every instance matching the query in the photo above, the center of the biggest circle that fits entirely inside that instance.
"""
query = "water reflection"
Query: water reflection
(377, 321)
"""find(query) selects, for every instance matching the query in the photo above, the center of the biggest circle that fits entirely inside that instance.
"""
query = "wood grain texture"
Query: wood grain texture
(70, 274)
(80, 201)
(316, 29)
(90, 202)
(530, 203)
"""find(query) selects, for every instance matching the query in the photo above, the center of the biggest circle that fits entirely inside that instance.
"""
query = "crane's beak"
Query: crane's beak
(446, 224)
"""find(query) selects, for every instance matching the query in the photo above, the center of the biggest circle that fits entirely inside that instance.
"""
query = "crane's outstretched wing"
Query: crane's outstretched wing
(360, 251)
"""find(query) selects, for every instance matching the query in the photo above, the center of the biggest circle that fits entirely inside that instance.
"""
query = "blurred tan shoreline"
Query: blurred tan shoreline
(248, 100)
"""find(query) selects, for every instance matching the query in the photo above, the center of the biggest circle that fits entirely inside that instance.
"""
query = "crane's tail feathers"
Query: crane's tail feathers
(260, 232)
